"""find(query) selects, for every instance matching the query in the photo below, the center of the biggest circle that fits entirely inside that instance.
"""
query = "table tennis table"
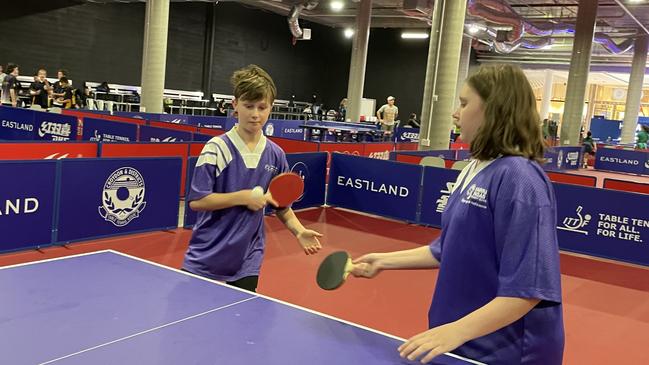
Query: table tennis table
(342, 133)
(110, 308)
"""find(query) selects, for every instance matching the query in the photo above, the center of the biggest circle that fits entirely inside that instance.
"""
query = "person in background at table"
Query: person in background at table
(412, 121)
(387, 114)
(40, 89)
(103, 87)
(10, 86)
(228, 240)
(2, 74)
(589, 147)
(642, 137)
(342, 110)
(67, 100)
(57, 90)
(497, 298)
(221, 111)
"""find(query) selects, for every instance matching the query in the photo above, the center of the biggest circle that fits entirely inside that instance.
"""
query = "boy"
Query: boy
(227, 243)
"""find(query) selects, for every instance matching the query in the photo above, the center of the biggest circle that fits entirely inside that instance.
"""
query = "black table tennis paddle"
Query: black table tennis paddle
(333, 270)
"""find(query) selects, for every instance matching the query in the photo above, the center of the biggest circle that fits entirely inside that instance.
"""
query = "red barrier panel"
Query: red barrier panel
(150, 150)
(294, 146)
(630, 186)
(415, 160)
(410, 146)
(178, 127)
(49, 150)
(573, 179)
(80, 114)
(211, 131)
(459, 146)
(378, 150)
(195, 148)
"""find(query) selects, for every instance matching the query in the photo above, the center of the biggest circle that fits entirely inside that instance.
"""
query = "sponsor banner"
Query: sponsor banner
(47, 150)
(174, 118)
(385, 188)
(634, 162)
(142, 149)
(602, 222)
(438, 183)
(157, 134)
(104, 197)
(99, 130)
(406, 135)
(312, 167)
(209, 121)
(27, 204)
(17, 124)
(55, 127)
(379, 151)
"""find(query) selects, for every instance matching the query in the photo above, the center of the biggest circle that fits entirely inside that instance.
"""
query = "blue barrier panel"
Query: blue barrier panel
(140, 115)
(55, 127)
(463, 154)
(381, 187)
(406, 135)
(100, 130)
(437, 187)
(312, 167)
(290, 129)
(105, 197)
(602, 222)
(27, 204)
(158, 134)
(570, 157)
(208, 121)
(17, 124)
(174, 118)
(190, 215)
(634, 162)
(552, 161)
(201, 137)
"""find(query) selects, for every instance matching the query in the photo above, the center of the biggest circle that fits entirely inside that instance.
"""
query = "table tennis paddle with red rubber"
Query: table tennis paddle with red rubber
(286, 188)
(334, 270)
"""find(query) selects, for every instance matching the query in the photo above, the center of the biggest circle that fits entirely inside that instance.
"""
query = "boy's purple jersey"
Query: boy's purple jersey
(499, 240)
(228, 244)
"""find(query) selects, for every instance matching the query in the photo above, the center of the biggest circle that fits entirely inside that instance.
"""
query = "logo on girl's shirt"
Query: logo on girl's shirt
(477, 196)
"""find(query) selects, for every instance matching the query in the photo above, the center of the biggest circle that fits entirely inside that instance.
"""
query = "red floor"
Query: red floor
(606, 305)
(601, 175)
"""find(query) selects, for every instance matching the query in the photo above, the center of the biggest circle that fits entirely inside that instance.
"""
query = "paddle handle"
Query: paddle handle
(349, 267)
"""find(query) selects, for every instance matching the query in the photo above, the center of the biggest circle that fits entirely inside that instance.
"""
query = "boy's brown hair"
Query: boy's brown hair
(253, 83)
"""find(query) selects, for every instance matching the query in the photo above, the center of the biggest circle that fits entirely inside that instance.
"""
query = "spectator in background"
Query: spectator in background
(57, 90)
(387, 114)
(589, 147)
(412, 121)
(342, 110)
(642, 137)
(103, 87)
(2, 74)
(66, 101)
(40, 89)
(221, 111)
(10, 86)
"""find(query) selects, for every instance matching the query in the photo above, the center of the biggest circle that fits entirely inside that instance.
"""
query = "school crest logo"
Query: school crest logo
(123, 196)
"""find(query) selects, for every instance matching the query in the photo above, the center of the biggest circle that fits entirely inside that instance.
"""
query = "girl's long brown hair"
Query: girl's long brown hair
(511, 125)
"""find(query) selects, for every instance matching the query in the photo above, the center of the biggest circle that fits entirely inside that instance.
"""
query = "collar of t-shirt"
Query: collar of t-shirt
(250, 158)
(469, 172)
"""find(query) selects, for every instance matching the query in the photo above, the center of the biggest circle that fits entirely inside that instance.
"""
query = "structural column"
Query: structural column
(431, 66)
(579, 69)
(634, 92)
(437, 128)
(359, 61)
(208, 50)
(154, 55)
(463, 70)
(547, 95)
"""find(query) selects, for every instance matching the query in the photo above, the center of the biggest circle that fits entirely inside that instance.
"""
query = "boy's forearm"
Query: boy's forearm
(290, 220)
(218, 201)
(416, 258)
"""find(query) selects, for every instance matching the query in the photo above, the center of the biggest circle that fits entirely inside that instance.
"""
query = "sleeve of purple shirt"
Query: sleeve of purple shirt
(526, 242)
(436, 249)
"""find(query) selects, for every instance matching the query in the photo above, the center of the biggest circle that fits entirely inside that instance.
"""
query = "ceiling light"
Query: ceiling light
(412, 35)
(336, 5)
(349, 32)
(473, 29)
